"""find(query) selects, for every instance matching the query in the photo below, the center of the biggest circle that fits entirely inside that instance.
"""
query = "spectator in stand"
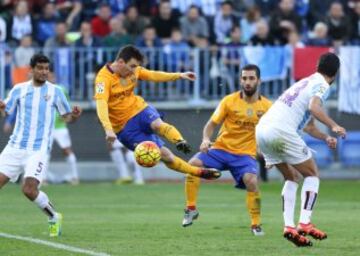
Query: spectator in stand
(223, 23)
(2, 30)
(193, 26)
(119, 6)
(118, 36)
(294, 40)
(176, 52)
(87, 38)
(89, 9)
(318, 10)
(182, 6)
(319, 36)
(24, 52)
(69, 11)
(59, 40)
(339, 25)
(355, 21)
(45, 25)
(241, 6)
(284, 20)
(266, 7)
(21, 23)
(248, 23)
(165, 22)
(262, 35)
(100, 23)
(133, 22)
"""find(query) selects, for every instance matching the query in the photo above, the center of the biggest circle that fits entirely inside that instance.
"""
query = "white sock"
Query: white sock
(309, 194)
(138, 176)
(119, 161)
(71, 159)
(289, 200)
(44, 204)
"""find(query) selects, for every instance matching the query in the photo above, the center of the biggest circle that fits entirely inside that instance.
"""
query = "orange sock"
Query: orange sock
(192, 185)
(170, 133)
(253, 205)
(182, 166)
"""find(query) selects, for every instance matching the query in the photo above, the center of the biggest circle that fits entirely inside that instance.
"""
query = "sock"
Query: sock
(253, 206)
(130, 159)
(309, 194)
(43, 202)
(169, 132)
(289, 199)
(180, 165)
(119, 161)
(192, 185)
(71, 159)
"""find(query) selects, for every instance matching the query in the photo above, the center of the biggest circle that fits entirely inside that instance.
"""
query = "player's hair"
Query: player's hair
(254, 68)
(130, 52)
(38, 58)
(328, 64)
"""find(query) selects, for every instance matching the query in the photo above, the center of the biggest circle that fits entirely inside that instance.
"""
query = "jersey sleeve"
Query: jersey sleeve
(320, 90)
(102, 88)
(61, 103)
(220, 112)
(156, 76)
(11, 100)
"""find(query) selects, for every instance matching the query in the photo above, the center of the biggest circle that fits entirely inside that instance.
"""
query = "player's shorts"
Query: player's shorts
(280, 146)
(62, 137)
(138, 129)
(238, 165)
(14, 162)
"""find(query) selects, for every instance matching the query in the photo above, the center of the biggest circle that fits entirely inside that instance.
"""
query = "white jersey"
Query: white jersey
(35, 116)
(291, 110)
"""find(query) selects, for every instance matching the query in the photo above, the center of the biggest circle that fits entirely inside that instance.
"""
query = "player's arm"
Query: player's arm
(315, 107)
(159, 76)
(63, 107)
(73, 115)
(208, 132)
(314, 131)
(8, 106)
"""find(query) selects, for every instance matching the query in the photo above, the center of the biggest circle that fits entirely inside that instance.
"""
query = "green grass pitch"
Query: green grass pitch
(146, 220)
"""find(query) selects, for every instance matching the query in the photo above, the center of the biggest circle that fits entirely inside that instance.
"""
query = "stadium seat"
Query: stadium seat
(349, 149)
(323, 155)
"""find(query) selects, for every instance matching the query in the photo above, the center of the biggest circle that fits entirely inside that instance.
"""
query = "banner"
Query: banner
(349, 91)
(271, 60)
(305, 60)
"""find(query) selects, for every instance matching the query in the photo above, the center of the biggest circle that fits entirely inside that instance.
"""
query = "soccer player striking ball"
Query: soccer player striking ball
(129, 118)
(235, 147)
(29, 144)
(278, 138)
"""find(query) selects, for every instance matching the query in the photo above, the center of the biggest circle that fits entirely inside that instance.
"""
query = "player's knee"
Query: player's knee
(195, 162)
(30, 191)
(251, 183)
(167, 156)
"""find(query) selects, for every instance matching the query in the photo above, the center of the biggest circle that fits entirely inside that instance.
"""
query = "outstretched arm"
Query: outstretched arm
(159, 76)
(208, 131)
(73, 116)
(314, 131)
(317, 112)
(103, 115)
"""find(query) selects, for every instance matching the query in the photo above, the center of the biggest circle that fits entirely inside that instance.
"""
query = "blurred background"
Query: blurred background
(210, 37)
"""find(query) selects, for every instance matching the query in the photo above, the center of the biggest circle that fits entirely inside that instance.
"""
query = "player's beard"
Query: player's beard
(251, 92)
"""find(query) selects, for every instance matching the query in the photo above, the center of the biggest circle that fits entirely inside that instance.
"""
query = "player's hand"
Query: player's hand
(331, 142)
(76, 112)
(110, 137)
(340, 131)
(188, 76)
(2, 105)
(183, 146)
(205, 146)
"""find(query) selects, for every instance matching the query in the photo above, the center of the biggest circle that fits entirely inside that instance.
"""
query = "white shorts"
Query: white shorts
(280, 146)
(14, 162)
(117, 144)
(62, 137)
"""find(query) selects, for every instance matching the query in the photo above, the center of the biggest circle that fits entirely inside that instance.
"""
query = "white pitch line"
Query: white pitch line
(54, 245)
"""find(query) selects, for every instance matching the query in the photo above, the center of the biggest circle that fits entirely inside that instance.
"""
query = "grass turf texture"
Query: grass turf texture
(146, 220)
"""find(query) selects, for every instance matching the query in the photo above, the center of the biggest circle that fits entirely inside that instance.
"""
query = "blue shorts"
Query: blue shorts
(138, 129)
(238, 165)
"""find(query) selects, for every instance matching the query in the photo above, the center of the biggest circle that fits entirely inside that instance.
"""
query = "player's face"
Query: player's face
(249, 82)
(128, 68)
(41, 72)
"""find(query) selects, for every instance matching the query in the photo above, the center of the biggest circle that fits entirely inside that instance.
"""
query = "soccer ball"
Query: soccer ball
(147, 154)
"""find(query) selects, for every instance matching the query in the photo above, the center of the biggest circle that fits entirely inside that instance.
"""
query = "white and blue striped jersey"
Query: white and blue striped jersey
(35, 116)
(291, 110)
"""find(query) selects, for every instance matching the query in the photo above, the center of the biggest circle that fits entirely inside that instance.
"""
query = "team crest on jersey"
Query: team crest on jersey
(249, 112)
(100, 87)
(259, 113)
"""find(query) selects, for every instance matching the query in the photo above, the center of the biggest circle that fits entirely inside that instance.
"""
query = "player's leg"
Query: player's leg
(177, 164)
(35, 169)
(118, 159)
(130, 159)
(3, 180)
(309, 194)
